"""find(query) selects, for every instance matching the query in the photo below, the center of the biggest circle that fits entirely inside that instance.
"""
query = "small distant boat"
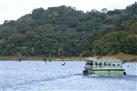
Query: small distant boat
(104, 67)
(63, 64)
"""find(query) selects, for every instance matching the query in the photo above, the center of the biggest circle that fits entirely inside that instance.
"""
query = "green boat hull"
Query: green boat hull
(104, 67)
(106, 72)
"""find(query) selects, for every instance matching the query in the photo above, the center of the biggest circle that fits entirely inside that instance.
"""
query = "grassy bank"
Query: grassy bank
(41, 58)
(125, 57)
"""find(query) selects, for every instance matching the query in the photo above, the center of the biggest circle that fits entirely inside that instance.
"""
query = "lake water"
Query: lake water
(39, 76)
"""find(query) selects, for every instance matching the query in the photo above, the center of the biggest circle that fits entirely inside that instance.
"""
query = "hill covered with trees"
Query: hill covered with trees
(65, 31)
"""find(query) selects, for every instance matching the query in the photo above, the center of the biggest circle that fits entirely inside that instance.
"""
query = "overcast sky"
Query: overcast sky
(13, 9)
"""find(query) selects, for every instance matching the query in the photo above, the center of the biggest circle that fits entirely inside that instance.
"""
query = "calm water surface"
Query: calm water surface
(41, 76)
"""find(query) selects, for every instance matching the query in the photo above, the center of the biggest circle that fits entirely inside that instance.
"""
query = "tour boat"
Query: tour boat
(104, 67)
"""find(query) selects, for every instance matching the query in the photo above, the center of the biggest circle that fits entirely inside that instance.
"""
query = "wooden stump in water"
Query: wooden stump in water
(19, 59)
(45, 60)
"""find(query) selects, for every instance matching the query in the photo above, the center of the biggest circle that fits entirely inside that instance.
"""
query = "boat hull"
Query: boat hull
(106, 72)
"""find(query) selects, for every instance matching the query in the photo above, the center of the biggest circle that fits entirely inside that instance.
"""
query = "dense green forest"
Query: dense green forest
(65, 31)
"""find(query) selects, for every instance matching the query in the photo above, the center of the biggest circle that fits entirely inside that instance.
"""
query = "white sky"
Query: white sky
(13, 9)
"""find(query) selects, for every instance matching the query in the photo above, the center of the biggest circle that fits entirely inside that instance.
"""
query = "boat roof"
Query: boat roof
(111, 60)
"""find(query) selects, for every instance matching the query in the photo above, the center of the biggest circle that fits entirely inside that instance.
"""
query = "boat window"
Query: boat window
(118, 64)
(113, 64)
(105, 64)
(100, 64)
(96, 63)
(109, 64)
(89, 63)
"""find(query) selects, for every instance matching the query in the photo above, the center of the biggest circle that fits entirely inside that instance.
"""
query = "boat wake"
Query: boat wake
(39, 81)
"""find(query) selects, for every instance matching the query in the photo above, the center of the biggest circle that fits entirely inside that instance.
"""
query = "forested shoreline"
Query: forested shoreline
(64, 31)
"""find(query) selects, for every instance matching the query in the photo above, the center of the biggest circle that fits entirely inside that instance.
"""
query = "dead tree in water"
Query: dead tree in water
(45, 60)
(19, 56)
(49, 57)
(20, 52)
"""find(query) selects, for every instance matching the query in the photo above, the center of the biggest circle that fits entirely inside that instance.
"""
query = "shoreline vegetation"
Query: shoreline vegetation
(123, 57)
(65, 31)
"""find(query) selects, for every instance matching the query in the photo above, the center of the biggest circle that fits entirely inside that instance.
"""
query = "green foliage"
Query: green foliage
(65, 31)
(116, 42)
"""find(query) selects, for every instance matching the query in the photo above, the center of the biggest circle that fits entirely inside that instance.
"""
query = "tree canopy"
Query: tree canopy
(65, 31)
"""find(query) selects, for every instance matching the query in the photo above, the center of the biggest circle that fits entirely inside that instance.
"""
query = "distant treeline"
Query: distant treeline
(65, 31)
